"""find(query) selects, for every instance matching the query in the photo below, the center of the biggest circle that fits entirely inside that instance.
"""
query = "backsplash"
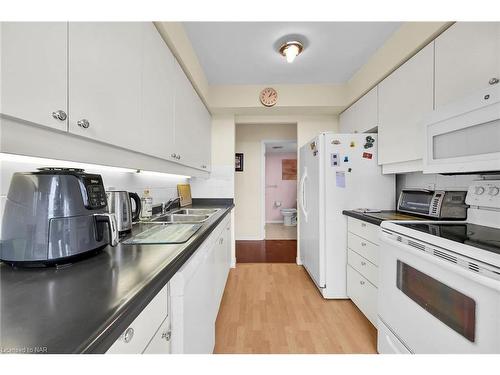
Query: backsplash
(437, 181)
(162, 187)
(219, 185)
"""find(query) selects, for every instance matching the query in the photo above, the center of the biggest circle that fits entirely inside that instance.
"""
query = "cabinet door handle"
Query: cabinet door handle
(60, 115)
(166, 335)
(173, 156)
(178, 157)
(493, 81)
(128, 335)
(363, 263)
(363, 225)
(83, 123)
(363, 244)
(362, 282)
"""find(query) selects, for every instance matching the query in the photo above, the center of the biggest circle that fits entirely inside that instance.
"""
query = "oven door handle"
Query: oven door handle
(388, 237)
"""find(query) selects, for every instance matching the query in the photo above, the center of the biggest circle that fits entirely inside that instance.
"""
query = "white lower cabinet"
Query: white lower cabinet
(197, 290)
(362, 267)
(160, 343)
(362, 293)
(143, 331)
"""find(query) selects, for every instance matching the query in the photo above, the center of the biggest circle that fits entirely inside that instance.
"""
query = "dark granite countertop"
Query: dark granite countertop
(378, 217)
(84, 307)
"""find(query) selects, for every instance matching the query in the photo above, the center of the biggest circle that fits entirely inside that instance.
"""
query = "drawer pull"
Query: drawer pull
(363, 243)
(363, 225)
(362, 282)
(128, 335)
(363, 263)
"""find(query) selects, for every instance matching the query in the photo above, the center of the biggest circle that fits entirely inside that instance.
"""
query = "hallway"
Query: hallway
(266, 251)
(275, 308)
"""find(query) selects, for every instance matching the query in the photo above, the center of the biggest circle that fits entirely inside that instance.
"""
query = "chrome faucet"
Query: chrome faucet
(170, 203)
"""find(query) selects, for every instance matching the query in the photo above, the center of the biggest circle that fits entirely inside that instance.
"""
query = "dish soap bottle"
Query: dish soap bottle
(147, 205)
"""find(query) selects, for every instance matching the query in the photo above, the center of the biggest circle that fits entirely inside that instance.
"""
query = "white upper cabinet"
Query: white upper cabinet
(105, 83)
(34, 72)
(362, 115)
(404, 98)
(158, 90)
(467, 58)
(192, 125)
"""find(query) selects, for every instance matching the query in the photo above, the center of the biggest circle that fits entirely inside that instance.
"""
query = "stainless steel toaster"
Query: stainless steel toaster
(55, 214)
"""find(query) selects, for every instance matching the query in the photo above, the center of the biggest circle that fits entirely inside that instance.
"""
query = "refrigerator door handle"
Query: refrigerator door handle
(303, 194)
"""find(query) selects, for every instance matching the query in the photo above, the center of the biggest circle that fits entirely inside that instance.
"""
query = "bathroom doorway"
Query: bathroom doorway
(280, 190)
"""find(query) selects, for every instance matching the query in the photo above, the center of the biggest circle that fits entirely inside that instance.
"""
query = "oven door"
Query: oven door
(433, 305)
(465, 136)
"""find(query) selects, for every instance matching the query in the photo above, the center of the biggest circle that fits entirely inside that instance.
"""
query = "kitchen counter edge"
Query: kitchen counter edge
(103, 341)
(361, 216)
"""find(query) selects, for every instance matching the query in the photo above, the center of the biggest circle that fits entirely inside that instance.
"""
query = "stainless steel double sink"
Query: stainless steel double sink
(186, 222)
(185, 216)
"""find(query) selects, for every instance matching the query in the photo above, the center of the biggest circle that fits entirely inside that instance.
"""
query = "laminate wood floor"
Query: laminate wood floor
(266, 251)
(276, 308)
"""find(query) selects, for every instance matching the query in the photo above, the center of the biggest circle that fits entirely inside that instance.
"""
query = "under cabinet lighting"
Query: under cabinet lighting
(160, 174)
(46, 162)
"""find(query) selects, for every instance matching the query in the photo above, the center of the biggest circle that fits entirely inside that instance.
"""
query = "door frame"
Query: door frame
(263, 178)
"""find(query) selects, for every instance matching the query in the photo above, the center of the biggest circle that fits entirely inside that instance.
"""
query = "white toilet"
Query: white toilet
(289, 216)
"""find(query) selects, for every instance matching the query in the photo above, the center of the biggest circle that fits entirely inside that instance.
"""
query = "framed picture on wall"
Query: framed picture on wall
(238, 163)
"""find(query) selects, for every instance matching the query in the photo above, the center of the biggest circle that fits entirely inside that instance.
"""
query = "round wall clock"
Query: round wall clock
(268, 97)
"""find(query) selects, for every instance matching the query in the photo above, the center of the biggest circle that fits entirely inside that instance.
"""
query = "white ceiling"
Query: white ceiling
(286, 147)
(243, 53)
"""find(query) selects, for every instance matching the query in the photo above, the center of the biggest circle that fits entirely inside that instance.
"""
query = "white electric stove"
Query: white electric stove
(439, 281)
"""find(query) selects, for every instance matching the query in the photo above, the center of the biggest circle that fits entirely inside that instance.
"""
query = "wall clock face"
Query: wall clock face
(268, 97)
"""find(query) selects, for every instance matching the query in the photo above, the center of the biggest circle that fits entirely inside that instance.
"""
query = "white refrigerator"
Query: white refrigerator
(337, 172)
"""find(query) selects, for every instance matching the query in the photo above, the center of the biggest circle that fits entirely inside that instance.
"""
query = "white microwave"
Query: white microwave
(464, 136)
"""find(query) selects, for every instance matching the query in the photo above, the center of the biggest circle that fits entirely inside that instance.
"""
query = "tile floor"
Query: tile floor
(278, 231)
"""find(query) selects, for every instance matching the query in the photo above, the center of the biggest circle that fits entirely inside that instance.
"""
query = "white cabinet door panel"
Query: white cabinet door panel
(467, 57)
(405, 97)
(160, 343)
(105, 76)
(192, 125)
(34, 71)
(137, 336)
(199, 329)
(157, 96)
(363, 294)
(362, 115)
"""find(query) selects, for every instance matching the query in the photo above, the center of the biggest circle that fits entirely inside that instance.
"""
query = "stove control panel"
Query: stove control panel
(484, 193)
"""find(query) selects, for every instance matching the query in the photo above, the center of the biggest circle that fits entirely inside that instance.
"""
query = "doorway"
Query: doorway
(280, 190)
(261, 235)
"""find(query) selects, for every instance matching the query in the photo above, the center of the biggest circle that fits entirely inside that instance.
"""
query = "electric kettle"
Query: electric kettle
(119, 203)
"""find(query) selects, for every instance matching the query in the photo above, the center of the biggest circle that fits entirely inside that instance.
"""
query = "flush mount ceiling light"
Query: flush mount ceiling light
(291, 50)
